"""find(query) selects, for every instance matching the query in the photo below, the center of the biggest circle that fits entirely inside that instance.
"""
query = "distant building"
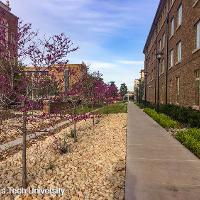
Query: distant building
(175, 35)
(136, 89)
(139, 87)
(65, 76)
(8, 33)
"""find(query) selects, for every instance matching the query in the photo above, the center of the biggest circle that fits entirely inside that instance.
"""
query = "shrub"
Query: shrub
(190, 139)
(187, 116)
(162, 119)
(60, 145)
(143, 104)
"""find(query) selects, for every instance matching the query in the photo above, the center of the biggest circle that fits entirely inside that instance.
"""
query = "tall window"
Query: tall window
(160, 45)
(172, 58)
(197, 88)
(179, 52)
(180, 15)
(163, 41)
(163, 66)
(198, 35)
(172, 27)
(177, 89)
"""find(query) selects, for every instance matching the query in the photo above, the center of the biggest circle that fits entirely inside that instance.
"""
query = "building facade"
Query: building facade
(64, 76)
(173, 77)
(8, 32)
(139, 90)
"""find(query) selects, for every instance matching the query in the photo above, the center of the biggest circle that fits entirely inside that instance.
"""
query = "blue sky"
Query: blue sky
(110, 33)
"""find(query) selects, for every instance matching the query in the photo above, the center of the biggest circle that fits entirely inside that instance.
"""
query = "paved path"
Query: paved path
(158, 166)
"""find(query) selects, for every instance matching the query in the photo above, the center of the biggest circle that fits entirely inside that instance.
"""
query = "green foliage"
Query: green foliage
(86, 108)
(143, 104)
(190, 138)
(187, 116)
(113, 108)
(123, 89)
(162, 119)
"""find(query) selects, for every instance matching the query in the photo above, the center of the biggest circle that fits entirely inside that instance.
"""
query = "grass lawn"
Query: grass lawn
(113, 108)
(85, 109)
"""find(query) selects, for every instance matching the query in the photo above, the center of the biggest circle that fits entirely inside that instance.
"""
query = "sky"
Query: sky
(111, 34)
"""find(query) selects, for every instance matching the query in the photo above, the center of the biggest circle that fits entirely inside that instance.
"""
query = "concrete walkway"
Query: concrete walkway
(158, 166)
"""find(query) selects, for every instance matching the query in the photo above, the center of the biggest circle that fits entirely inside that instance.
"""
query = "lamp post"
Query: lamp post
(145, 87)
(159, 57)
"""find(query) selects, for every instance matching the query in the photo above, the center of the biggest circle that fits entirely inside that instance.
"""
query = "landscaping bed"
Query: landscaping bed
(93, 169)
(189, 137)
(10, 129)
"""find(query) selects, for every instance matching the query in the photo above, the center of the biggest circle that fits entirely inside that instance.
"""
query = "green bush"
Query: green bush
(190, 139)
(187, 116)
(162, 119)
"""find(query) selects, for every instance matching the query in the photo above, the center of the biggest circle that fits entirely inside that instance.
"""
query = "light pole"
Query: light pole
(145, 87)
(159, 57)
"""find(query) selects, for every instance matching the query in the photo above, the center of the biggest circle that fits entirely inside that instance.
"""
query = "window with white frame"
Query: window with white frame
(172, 27)
(179, 52)
(171, 58)
(180, 16)
(198, 35)
(163, 66)
(160, 45)
(163, 41)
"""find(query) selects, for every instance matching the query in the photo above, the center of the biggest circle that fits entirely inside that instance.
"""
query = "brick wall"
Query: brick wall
(185, 70)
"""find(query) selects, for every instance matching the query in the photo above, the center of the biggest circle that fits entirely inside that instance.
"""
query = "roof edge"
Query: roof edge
(154, 23)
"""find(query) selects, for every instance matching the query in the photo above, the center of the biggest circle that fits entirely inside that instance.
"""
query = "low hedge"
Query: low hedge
(187, 116)
(162, 119)
(190, 138)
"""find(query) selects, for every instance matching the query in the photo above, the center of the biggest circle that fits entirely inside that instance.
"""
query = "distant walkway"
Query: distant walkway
(158, 166)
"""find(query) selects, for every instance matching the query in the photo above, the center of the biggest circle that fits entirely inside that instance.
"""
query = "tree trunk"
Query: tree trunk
(24, 168)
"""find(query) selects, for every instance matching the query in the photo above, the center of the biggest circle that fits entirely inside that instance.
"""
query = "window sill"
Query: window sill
(170, 67)
(195, 50)
(178, 62)
(178, 27)
(171, 36)
(195, 3)
(196, 107)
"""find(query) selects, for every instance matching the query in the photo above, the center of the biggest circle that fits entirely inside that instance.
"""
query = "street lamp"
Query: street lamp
(145, 87)
(158, 57)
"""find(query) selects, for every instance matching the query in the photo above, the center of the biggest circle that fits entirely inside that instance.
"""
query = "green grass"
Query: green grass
(87, 108)
(190, 138)
(113, 108)
(162, 119)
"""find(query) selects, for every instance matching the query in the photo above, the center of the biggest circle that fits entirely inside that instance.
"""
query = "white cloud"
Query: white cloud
(98, 65)
(131, 62)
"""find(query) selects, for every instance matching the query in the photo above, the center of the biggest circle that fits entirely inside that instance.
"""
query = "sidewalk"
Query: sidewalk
(158, 166)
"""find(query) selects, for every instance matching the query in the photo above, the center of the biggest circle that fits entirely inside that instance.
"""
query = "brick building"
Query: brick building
(175, 36)
(65, 76)
(8, 32)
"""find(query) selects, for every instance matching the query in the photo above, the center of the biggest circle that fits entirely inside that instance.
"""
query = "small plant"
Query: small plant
(61, 145)
(72, 133)
(50, 166)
